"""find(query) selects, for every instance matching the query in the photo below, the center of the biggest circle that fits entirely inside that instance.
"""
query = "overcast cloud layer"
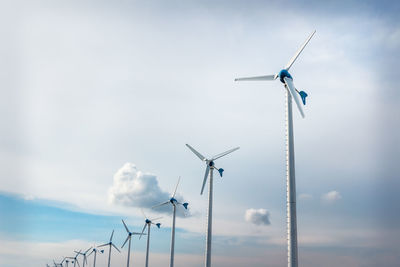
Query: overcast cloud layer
(87, 86)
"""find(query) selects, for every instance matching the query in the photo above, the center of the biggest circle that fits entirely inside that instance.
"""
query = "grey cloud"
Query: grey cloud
(257, 216)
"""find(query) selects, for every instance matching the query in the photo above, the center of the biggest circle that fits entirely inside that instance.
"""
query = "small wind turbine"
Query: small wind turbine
(148, 223)
(291, 92)
(58, 264)
(95, 250)
(84, 255)
(210, 166)
(110, 244)
(174, 203)
(129, 237)
(66, 262)
(75, 259)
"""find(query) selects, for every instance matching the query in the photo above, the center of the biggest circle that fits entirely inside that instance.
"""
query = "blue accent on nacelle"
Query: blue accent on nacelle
(185, 205)
(303, 96)
(220, 171)
(172, 200)
(158, 225)
(284, 73)
(102, 251)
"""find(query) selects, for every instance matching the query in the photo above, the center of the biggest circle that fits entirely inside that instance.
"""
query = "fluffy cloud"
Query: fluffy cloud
(257, 216)
(132, 187)
(331, 196)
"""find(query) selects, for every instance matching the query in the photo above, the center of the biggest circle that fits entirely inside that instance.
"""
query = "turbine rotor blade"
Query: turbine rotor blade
(155, 219)
(144, 215)
(294, 94)
(205, 179)
(103, 245)
(126, 240)
(196, 153)
(88, 250)
(258, 78)
(112, 234)
(293, 59)
(115, 247)
(161, 204)
(126, 227)
(136, 233)
(176, 187)
(224, 153)
(144, 227)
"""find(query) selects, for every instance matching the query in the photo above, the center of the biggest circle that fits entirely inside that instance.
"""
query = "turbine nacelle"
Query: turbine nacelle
(284, 73)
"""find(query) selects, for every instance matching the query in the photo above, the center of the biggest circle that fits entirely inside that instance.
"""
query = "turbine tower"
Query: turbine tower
(110, 244)
(84, 255)
(174, 204)
(148, 223)
(129, 237)
(95, 250)
(210, 166)
(291, 93)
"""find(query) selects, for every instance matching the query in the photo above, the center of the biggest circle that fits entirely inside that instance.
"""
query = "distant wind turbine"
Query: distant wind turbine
(95, 250)
(75, 259)
(174, 203)
(84, 255)
(110, 244)
(210, 166)
(291, 92)
(129, 237)
(148, 223)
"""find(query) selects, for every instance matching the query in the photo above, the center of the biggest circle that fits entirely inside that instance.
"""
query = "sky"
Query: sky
(99, 99)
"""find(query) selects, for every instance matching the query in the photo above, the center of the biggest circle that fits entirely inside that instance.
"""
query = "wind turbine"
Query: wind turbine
(84, 255)
(129, 237)
(291, 92)
(174, 203)
(75, 259)
(110, 244)
(95, 250)
(148, 223)
(58, 264)
(210, 166)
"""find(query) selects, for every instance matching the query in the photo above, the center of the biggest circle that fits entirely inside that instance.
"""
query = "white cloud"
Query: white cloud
(257, 216)
(331, 196)
(134, 188)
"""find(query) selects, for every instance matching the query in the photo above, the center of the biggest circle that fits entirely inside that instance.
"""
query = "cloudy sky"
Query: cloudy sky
(99, 98)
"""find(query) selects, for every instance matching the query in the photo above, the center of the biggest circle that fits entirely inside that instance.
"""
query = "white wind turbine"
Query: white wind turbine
(110, 244)
(84, 255)
(95, 250)
(75, 259)
(174, 204)
(291, 92)
(148, 223)
(129, 237)
(210, 166)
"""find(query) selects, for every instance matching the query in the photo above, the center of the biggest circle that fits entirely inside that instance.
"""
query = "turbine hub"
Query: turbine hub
(284, 73)
(148, 221)
(211, 164)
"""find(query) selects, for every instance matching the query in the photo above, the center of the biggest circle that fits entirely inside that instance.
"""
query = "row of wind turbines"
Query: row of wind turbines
(300, 100)
(147, 224)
